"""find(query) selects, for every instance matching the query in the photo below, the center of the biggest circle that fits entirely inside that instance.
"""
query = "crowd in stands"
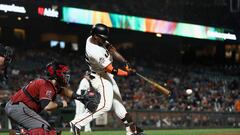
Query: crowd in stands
(215, 89)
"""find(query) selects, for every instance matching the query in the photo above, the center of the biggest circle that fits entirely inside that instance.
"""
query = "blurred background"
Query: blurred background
(180, 44)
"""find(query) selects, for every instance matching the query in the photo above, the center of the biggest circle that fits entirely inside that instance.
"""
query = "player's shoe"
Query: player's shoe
(74, 129)
(59, 132)
(23, 132)
(87, 128)
(139, 132)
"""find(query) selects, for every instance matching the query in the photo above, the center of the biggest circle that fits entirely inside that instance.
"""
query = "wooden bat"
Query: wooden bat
(163, 90)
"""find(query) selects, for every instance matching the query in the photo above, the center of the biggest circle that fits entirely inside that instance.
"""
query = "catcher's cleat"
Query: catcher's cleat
(59, 132)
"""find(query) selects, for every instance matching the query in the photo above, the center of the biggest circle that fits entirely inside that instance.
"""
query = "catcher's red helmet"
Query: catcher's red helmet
(59, 72)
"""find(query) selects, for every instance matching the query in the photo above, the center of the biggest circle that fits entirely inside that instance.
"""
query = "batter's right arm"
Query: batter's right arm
(116, 55)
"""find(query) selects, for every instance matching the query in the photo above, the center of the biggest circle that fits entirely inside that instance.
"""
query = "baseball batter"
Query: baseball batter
(99, 56)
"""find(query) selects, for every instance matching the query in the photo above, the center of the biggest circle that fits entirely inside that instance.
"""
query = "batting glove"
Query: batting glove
(132, 71)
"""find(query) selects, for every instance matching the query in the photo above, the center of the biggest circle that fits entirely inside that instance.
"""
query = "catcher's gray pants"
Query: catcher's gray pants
(20, 114)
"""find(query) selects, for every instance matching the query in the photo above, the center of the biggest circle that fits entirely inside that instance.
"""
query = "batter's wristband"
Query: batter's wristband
(60, 104)
(122, 73)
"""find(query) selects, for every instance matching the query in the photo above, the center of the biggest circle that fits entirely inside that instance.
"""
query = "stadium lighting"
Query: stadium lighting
(62, 44)
(53, 43)
(19, 18)
(75, 46)
(159, 35)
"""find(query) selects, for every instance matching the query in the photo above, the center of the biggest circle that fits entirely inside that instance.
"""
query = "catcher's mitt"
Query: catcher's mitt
(91, 100)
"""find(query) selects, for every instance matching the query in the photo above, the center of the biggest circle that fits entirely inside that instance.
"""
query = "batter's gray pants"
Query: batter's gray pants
(25, 117)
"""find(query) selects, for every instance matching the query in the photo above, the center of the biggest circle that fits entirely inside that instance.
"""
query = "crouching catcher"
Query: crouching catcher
(24, 107)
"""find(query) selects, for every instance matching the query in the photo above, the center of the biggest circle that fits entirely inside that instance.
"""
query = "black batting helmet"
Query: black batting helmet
(100, 30)
(59, 72)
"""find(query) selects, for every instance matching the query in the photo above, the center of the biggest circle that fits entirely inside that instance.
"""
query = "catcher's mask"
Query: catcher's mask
(100, 30)
(60, 72)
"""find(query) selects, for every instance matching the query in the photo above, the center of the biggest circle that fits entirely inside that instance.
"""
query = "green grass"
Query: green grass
(169, 132)
(164, 132)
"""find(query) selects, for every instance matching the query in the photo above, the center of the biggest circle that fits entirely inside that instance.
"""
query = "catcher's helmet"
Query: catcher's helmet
(100, 30)
(59, 72)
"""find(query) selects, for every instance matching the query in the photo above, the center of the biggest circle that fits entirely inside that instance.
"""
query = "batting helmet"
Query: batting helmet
(100, 30)
(59, 72)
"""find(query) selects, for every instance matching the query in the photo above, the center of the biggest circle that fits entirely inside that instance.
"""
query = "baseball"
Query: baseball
(189, 91)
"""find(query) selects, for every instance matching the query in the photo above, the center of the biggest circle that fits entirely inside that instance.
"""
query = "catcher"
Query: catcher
(24, 107)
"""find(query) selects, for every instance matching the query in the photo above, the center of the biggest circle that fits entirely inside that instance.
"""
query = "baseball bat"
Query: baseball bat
(160, 88)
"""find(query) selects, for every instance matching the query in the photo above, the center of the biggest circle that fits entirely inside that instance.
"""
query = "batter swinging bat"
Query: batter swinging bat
(163, 90)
